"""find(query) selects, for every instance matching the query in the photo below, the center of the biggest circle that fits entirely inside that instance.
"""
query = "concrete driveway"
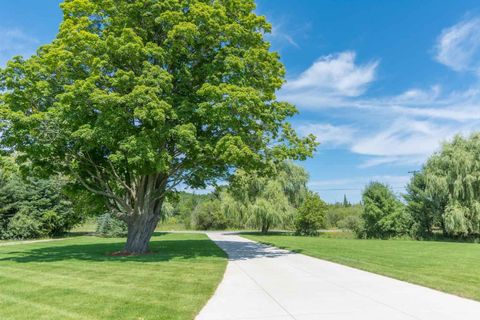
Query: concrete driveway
(267, 283)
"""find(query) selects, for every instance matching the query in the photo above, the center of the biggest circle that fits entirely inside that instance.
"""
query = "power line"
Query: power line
(350, 189)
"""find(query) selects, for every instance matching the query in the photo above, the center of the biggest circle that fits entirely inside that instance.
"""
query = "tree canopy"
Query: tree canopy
(383, 214)
(267, 201)
(446, 193)
(133, 98)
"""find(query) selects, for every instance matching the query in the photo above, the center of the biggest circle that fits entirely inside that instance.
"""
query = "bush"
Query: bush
(384, 216)
(110, 226)
(311, 215)
(23, 226)
(351, 223)
(209, 216)
(338, 212)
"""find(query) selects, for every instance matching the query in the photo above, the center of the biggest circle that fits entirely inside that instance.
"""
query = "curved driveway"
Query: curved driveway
(266, 283)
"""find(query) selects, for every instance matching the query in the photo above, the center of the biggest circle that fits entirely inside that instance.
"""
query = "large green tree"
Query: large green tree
(447, 189)
(133, 98)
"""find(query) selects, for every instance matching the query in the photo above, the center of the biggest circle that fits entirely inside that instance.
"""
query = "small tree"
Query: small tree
(263, 201)
(311, 215)
(269, 209)
(421, 206)
(345, 201)
(383, 214)
(133, 98)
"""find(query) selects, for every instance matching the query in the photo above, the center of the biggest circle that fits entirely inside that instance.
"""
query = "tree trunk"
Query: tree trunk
(140, 230)
(148, 211)
(265, 228)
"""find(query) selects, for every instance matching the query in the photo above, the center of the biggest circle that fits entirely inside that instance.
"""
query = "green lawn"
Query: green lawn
(448, 266)
(77, 279)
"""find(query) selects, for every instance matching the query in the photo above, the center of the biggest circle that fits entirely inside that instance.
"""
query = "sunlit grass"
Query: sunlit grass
(78, 279)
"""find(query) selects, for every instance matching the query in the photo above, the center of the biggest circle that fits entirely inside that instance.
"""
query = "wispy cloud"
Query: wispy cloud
(401, 129)
(13, 42)
(329, 80)
(328, 134)
(280, 35)
(458, 46)
(336, 74)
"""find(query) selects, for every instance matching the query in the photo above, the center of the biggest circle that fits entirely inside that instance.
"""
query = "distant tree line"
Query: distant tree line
(280, 199)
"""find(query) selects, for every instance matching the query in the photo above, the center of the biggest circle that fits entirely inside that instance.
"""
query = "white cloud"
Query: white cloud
(334, 75)
(281, 36)
(15, 42)
(404, 137)
(327, 133)
(458, 46)
(400, 129)
(404, 129)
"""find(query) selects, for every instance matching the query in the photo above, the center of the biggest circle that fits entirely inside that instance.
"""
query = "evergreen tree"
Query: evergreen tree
(383, 214)
(345, 201)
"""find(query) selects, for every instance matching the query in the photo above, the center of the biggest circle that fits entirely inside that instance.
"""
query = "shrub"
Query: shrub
(110, 226)
(311, 215)
(338, 212)
(384, 216)
(352, 223)
(24, 226)
(209, 216)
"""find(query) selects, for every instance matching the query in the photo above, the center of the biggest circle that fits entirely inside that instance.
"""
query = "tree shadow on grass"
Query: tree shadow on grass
(101, 252)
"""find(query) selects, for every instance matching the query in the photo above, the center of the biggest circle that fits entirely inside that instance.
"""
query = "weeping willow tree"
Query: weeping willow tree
(265, 202)
(448, 187)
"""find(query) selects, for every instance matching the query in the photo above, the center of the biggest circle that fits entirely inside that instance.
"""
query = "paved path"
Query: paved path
(265, 283)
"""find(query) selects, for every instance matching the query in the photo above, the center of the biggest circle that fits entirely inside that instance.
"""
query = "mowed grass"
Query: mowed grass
(447, 266)
(78, 279)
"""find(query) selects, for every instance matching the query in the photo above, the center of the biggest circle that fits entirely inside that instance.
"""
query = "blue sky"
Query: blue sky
(381, 83)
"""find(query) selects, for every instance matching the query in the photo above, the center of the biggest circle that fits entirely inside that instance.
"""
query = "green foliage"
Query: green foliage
(264, 202)
(345, 201)
(133, 98)
(208, 215)
(352, 223)
(110, 226)
(384, 216)
(446, 193)
(185, 204)
(32, 207)
(421, 207)
(23, 226)
(311, 215)
(337, 213)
